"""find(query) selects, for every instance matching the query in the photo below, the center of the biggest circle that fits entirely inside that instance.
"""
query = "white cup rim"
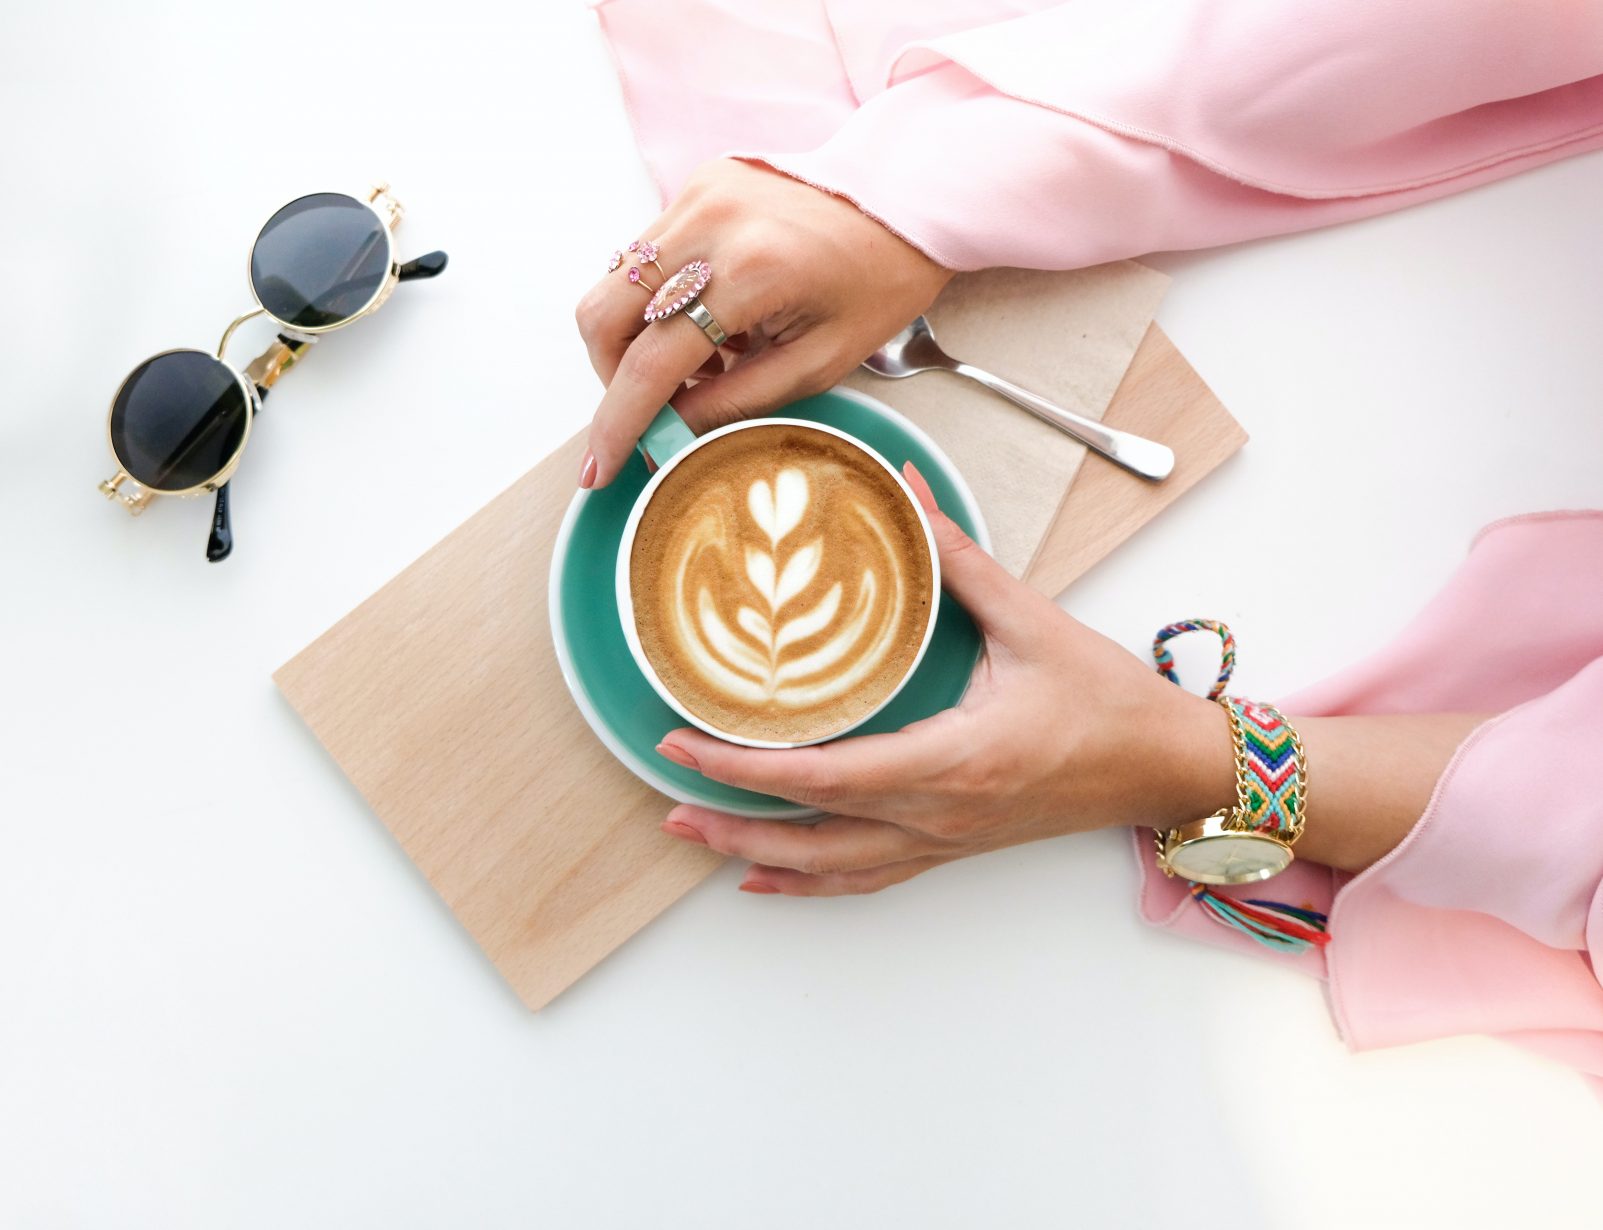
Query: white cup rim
(625, 596)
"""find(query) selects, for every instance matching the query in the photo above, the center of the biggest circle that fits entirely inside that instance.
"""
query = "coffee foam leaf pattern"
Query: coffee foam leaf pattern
(778, 509)
(792, 641)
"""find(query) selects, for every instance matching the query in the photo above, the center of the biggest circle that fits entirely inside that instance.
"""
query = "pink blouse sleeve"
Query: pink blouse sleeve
(1488, 918)
(1077, 133)
(1094, 131)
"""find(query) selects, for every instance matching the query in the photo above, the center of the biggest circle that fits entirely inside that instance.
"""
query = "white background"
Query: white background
(226, 997)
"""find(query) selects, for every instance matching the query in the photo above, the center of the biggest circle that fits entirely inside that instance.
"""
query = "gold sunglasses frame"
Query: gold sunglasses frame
(263, 371)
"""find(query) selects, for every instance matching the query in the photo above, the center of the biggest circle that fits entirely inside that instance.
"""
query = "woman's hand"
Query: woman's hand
(1061, 731)
(804, 283)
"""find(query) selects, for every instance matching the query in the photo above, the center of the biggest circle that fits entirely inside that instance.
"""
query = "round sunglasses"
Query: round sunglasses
(181, 419)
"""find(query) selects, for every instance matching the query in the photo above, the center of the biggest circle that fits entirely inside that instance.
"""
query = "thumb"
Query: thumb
(774, 377)
(1004, 607)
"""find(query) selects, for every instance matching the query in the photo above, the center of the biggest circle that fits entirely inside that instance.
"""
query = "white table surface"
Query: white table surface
(228, 999)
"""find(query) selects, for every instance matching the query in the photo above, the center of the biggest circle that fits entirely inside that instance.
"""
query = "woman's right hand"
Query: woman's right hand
(804, 283)
(1060, 731)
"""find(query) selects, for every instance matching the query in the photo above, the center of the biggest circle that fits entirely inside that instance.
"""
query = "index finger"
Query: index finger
(657, 362)
(835, 843)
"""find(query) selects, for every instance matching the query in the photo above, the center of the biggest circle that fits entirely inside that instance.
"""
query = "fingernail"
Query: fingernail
(587, 472)
(758, 888)
(678, 755)
(678, 828)
(920, 487)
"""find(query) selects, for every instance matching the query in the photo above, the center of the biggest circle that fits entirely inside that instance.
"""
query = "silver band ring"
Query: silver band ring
(682, 293)
(698, 312)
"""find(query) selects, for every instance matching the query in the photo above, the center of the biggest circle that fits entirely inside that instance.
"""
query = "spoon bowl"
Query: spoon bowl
(911, 351)
(915, 350)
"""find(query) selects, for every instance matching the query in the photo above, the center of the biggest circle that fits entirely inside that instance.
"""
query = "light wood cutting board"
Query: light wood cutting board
(440, 699)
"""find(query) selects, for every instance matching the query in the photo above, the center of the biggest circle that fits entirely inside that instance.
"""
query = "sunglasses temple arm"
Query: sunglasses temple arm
(221, 542)
(429, 265)
(263, 373)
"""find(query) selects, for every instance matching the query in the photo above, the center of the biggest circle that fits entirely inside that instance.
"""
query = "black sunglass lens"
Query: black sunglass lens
(178, 419)
(320, 260)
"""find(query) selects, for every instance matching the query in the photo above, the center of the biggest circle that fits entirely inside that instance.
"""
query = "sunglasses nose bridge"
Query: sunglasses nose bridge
(238, 320)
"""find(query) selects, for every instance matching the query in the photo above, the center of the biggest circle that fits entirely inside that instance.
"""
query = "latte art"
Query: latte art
(782, 583)
(760, 659)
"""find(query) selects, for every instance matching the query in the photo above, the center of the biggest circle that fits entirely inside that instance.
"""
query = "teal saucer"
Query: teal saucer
(621, 707)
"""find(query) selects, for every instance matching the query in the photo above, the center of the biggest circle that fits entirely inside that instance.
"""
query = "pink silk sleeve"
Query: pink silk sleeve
(1488, 917)
(1076, 133)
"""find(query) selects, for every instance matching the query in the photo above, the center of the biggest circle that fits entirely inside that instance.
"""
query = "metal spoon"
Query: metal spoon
(914, 350)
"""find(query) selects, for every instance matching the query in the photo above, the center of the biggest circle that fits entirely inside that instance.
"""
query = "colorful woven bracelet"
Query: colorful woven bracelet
(1272, 781)
(1271, 796)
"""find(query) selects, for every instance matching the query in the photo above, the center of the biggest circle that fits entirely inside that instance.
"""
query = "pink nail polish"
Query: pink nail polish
(678, 828)
(587, 472)
(678, 755)
(758, 888)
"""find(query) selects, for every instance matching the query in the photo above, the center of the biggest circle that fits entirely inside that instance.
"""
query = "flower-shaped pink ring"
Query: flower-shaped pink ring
(679, 291)
(642, 249)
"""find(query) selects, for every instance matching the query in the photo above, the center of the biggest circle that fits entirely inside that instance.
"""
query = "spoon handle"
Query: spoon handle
(1135, 453)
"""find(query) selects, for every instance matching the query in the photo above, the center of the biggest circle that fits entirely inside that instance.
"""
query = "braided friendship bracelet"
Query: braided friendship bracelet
(1271, 797)
(1277, 770)
(1227, 651)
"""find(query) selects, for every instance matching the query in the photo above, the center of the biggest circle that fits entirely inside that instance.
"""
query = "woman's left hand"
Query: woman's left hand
(1061, 731)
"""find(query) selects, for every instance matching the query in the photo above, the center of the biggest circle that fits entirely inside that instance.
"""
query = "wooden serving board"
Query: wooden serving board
(440, 698)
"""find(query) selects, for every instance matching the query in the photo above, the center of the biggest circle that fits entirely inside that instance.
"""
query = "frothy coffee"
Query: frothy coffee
(782, 583)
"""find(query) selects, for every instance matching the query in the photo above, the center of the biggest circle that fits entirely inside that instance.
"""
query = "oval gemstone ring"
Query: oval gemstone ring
(682, 293)
(679, 290)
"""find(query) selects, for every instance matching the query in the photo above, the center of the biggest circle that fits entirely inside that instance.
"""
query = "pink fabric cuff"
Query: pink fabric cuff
(977, 178)
(1055, 136)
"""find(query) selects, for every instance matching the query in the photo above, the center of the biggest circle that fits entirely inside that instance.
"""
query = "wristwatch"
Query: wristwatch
(1210, 851)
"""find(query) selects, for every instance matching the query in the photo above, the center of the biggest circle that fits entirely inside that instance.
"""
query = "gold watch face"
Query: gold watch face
(1230, 858)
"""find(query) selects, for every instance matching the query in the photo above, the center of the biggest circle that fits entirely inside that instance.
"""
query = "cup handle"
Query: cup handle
(666, 437)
